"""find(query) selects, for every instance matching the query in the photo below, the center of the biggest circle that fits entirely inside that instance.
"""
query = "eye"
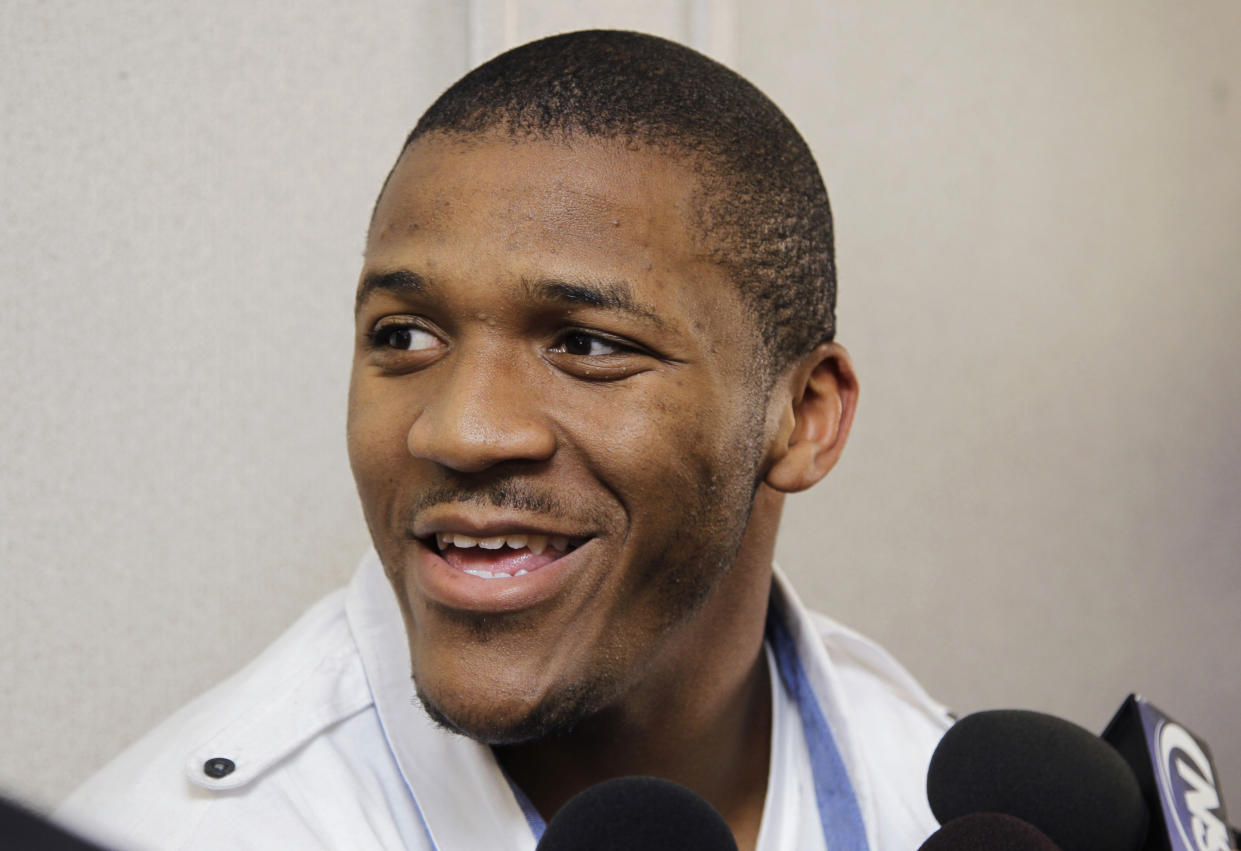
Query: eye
(405, 338)
(588, 345)
(596, 357)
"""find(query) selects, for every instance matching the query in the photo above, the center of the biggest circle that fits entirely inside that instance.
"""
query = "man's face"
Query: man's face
(554, 423)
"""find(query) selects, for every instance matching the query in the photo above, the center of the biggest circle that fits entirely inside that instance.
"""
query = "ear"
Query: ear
(821, 393)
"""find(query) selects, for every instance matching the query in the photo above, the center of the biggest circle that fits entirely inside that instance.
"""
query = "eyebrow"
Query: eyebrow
(609, 295)
(400, 281)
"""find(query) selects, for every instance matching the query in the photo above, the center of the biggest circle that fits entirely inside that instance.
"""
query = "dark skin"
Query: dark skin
(544, 348)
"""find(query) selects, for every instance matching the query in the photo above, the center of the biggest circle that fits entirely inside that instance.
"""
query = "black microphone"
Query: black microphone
(1177, 777)
(637, 812)
(988, 832)
(24, 830)
(1057, 776)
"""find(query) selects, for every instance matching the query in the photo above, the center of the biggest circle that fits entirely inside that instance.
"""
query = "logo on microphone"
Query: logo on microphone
(1187, 784)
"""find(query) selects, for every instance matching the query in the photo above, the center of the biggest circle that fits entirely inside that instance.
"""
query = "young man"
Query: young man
(594, 349)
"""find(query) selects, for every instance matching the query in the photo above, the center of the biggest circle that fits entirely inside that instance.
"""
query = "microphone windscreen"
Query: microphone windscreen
(1057, 776)
(637, 812)
(22, 829)
(988, 832)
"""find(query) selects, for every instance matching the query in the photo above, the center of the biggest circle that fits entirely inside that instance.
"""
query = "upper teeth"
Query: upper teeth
(536, 543)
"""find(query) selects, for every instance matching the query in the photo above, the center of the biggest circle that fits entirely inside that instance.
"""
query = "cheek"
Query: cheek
(657, 449)
(376, 430)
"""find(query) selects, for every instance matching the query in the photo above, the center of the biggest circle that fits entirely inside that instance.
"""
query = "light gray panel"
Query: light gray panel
(496, 25)
(1038, 209)
(187, 187)
(534, 18)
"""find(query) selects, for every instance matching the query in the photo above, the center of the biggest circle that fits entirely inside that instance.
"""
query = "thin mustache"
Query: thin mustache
(507, 495)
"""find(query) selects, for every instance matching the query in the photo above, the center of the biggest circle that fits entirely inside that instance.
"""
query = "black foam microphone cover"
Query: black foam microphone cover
(1049, 772)
(21, 829)
(988, 832)
(631, 813)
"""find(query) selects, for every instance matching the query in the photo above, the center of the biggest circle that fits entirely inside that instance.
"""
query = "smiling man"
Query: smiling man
(594, 349)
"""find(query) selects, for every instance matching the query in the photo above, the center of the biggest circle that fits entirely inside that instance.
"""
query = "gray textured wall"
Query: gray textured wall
(1038, 211)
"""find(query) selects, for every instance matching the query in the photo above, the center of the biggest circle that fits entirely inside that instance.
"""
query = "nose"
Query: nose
(479, 413)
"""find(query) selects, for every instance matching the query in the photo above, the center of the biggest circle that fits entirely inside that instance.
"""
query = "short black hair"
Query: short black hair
(764, 213)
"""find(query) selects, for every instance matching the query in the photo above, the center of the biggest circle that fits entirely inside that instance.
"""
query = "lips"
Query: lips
(499, 565)
(501, 556)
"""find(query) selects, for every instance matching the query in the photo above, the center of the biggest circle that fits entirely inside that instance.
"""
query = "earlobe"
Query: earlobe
(823, 392)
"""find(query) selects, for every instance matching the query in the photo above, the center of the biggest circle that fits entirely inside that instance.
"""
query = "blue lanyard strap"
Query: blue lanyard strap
(839, 812)
(537, 825)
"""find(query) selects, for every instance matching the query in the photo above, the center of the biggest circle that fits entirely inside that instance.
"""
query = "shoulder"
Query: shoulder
(870, 671)
(895, 726)
(882, 695)
(857, 672)
(885, 722)
(226, 750)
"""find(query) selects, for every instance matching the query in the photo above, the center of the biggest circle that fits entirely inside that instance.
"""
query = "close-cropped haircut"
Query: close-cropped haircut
(763, 214)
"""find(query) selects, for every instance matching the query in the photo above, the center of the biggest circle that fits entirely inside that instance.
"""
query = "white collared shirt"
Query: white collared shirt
(320, 742)
(790, 814)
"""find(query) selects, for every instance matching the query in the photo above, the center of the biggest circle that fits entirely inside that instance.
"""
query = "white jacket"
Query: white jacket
(320, 743)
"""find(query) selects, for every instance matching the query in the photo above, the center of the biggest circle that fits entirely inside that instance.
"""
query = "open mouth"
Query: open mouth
(501, 556)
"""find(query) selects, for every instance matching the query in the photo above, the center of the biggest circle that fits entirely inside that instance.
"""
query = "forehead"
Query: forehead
(603, 188)
(489, 206)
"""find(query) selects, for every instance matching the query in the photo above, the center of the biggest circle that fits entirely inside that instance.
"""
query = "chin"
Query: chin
(489, 719)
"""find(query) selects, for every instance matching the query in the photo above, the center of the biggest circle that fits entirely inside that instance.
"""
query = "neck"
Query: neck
(721, 751)
(702, 718)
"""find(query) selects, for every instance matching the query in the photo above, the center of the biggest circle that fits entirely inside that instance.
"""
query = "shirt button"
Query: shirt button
(218, 767)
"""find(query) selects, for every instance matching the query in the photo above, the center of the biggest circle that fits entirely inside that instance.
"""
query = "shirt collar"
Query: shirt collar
(842, 788)
(460, 791)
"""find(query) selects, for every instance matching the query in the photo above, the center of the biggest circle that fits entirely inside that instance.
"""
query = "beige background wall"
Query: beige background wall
(1039, 234)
